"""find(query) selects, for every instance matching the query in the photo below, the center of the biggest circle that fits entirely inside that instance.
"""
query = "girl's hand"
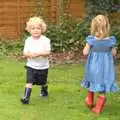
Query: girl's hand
(114, 51)
(86, 49)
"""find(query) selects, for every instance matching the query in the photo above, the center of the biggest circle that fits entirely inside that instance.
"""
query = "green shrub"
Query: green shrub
(67, 35)
(13, 47)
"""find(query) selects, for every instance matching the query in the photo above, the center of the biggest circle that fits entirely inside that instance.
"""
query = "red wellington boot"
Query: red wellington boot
(89, 101)
(99, 105)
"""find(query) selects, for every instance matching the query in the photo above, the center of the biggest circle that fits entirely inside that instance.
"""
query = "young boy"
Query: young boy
(37, 49)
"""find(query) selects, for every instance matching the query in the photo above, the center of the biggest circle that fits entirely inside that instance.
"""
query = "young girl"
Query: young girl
(36, 49)
(99, 70)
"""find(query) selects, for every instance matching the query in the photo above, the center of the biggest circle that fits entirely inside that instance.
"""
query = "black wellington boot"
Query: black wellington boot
(44, 91)
(26, 98)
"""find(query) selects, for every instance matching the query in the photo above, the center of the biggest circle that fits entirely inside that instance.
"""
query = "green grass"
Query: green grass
(65, 101)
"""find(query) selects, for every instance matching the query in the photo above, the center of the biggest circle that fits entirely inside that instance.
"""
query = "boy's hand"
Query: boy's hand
(34, 55)
(30, 55)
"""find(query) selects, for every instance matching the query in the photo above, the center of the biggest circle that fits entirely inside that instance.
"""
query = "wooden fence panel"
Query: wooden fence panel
(77, 8)
(7, 15)
(14, 13)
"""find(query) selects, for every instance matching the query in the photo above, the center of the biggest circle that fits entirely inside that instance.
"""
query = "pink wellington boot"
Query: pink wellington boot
(89, 101)
(99, 105)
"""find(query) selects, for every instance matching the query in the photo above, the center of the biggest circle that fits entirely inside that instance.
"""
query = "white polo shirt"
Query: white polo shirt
(37, 46)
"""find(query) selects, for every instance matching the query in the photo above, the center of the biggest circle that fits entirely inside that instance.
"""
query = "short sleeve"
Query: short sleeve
(89, 40)
(113, 41)
(47, 45)
(26, 46)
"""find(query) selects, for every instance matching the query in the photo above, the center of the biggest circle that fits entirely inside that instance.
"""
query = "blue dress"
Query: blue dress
(99, 68)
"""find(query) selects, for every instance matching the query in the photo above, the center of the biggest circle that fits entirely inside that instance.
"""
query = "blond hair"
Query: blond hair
(100, 26)
(35, 20)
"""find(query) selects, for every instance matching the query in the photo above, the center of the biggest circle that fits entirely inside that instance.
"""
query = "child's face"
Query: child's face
(35, 30)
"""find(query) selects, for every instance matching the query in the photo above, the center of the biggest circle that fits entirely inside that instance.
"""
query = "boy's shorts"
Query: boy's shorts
(36, 77)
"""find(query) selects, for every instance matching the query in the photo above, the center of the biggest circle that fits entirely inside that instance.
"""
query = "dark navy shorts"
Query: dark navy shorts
(36, 77)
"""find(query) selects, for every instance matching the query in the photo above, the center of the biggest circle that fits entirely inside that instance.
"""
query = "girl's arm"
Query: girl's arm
(86, 49)
(114, 51)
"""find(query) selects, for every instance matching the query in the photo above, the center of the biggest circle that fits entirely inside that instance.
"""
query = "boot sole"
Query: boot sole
(88, 106)
(24, 101)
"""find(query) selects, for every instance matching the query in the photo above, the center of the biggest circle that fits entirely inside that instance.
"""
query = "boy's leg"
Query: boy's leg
(44, 90)
(28, 88)
(44, 86)
(27, 94)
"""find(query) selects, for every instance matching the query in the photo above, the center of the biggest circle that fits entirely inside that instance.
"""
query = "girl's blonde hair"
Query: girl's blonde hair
(100, 26)
(34, 20)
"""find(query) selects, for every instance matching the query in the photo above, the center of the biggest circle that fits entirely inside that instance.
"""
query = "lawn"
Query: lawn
(65, 100)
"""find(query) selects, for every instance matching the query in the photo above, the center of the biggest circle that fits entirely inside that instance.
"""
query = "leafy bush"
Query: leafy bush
(67, 35)
(13, 47)
(116, 32)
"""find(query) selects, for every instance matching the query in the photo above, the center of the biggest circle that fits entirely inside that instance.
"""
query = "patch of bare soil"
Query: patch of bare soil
(66, 58)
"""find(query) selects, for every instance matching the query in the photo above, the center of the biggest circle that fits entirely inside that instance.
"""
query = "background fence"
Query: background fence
(14, 13)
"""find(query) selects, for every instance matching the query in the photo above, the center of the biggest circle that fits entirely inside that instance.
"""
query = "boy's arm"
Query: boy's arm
(44, 54)
(27, 55)
(34, 55)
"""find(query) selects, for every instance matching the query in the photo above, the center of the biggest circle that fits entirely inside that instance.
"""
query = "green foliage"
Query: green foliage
(95, 7)
(8, 47)
(67, 35)
(116, 32)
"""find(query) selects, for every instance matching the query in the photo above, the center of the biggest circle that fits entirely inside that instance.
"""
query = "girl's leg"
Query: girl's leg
(89, 101)
(27, 93)
(99, 104)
